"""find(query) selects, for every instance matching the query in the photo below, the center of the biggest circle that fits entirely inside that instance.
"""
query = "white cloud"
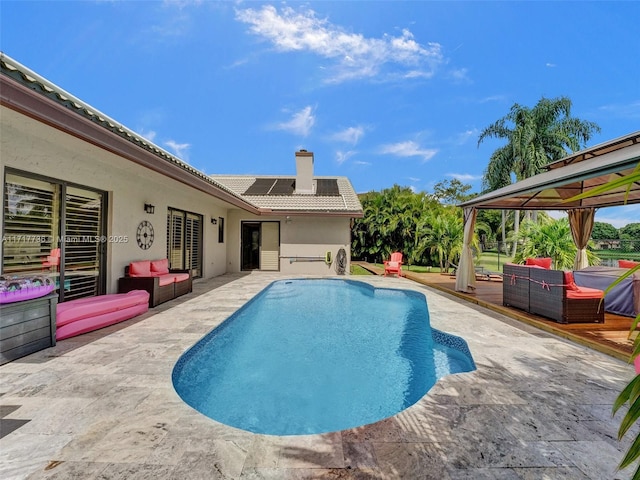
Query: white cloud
(350, 135)
(354, 55)
(181, 3)
(493, 98)
(360, 162)
(150, 135)
(629, 110)
(413, 179)
(464, 177)
(460, 75)
(550, 65)
(180, 150)
(300, 124)
(464, 137)
(408, 149)
(342, 157)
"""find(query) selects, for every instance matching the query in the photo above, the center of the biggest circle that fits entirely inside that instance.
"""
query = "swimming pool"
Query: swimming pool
(318, 355)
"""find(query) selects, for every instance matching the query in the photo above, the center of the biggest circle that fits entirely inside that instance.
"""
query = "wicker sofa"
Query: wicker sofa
(551, 294)
(155, 277)
(515, 286)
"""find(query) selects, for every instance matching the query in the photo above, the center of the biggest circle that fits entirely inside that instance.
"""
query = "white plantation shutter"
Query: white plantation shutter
(42, 215)
(83, 229)
(184, 241)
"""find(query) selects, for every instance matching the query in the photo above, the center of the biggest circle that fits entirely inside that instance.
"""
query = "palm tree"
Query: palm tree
(550, 238)
(535, 137)
(441, 233)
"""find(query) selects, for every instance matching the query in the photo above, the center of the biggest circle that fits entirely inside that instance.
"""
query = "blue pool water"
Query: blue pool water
(318, 355)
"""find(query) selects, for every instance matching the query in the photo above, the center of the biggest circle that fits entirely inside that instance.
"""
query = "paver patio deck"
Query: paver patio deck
(102, 406)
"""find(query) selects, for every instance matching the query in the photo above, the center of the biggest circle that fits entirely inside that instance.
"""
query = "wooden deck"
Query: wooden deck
(610, 337)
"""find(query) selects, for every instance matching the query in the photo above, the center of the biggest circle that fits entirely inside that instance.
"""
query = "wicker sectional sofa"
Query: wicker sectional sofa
(551, 294)
(155, 277)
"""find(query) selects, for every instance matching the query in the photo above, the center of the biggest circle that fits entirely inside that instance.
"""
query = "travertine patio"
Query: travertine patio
(102, 405)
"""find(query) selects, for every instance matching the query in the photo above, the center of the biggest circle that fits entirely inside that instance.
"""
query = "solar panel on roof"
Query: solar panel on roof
(283, 186)
(260, 187)
(327, 187)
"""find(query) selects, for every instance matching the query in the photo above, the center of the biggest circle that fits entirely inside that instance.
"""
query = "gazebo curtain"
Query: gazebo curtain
(466, 274)
(581, 221)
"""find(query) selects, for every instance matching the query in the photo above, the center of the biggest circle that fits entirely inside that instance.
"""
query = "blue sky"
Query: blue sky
(382, 92)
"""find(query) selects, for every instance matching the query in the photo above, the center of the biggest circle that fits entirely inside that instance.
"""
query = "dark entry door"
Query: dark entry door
(250, 246)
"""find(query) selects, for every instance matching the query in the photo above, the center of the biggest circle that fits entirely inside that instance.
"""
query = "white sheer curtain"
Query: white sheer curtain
(466, 274)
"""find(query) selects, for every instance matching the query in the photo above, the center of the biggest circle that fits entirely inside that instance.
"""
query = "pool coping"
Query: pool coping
(101, 406)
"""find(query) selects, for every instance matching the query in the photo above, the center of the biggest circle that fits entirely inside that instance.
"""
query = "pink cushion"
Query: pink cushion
(627, 263)
(166, 279)
(140, 269)
(544, 262)
(88, 324)
(585, 292)
(160, 266)
(569, 282)
(86, 307)
(180, 277)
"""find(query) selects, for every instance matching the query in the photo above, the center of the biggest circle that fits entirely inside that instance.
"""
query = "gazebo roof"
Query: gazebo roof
(570, 176)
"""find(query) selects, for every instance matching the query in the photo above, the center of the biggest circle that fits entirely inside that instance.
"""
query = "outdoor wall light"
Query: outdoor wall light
(288, 219)
(149, 208)
(213, 221)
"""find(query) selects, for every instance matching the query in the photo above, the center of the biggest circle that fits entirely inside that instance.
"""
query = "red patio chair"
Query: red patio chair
(393, 265)
(53, 260)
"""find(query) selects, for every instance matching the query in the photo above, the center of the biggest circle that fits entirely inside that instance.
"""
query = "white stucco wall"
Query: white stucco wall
(301, 236)
(36, 148)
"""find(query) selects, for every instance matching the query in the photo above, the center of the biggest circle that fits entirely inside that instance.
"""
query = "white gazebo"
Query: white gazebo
(573, 175)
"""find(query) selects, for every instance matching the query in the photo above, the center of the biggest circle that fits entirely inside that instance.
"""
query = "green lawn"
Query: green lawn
(617, 255)
(488, 260)
(492, 262)
(358, 270)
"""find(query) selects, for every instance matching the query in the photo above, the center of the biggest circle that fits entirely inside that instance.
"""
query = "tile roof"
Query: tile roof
(346, 201)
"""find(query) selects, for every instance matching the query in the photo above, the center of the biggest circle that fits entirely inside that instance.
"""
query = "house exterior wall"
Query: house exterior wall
(300, 236)
(36, 148)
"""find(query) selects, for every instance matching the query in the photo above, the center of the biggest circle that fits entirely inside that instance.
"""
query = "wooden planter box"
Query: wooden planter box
(27, 327)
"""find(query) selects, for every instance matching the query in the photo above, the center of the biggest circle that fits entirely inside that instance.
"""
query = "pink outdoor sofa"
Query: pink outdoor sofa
(91, 313)
(155, 277)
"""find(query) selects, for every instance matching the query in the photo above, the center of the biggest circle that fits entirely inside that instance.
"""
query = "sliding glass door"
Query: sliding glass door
(54, 229)
(184, 241)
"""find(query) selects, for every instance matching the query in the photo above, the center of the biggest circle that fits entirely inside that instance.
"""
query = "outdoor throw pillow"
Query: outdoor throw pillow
(569, 282)
(160, 266)
(544, 262)
(140, 269)
(627, 263)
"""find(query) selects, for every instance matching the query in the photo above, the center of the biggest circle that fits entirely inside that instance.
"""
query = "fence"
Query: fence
(609, 251)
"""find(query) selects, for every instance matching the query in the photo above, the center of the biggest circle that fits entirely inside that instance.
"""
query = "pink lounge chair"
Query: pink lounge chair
(393, 265)
(53, 260)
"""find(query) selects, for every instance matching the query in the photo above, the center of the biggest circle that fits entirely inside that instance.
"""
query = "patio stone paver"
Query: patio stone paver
(102, 406)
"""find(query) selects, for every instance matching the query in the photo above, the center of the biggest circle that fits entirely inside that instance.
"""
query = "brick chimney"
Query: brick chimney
(304, 173)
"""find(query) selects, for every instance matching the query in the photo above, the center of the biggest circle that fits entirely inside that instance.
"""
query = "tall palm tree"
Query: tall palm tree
(535, 137)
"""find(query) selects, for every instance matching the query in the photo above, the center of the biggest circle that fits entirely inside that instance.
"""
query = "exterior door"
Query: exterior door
(260, 246)
(57, 230)
(250, 246)
(184, 241)
(270, 246)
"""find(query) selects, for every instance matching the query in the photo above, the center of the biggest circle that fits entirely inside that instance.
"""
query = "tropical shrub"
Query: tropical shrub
(550, 238)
